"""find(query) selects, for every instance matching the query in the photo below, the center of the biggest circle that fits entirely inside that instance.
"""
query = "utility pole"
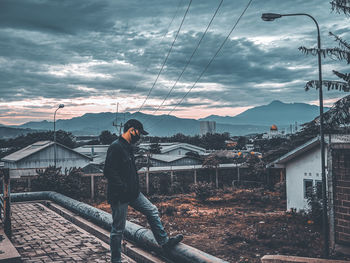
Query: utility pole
(115, 123)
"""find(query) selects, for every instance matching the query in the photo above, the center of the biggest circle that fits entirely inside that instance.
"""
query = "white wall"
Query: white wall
(309, 163)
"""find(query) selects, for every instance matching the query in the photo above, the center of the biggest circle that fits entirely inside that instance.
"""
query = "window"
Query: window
(318, 189)
(307, 188)
(305, 174)
(310, 174)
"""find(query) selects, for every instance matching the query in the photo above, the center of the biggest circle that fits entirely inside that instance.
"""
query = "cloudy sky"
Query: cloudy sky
(91, 55)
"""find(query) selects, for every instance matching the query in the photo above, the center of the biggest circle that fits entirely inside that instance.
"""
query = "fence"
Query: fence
(5, 205)
(160, 180)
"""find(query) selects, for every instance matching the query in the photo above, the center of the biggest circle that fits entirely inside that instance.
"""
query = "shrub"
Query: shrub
(203, 190)
(176, 188)
(315, 211)
(70, 183)
(47, 180)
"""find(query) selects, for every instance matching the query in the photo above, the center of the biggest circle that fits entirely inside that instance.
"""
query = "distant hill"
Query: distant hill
(9, 132)
(255, 120)
(277, 112)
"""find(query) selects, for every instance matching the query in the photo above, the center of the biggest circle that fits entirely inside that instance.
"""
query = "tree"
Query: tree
(106, 137)
(154, 148)
(334, 118)
(342, 52)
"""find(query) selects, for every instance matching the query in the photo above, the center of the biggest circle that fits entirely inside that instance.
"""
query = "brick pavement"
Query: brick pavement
(41, 235)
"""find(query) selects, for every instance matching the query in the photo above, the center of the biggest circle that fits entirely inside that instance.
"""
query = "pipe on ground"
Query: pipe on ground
(133, 232)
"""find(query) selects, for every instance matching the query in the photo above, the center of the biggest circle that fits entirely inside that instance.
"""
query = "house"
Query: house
(40, 155)
(173, 160)
(302, 168)
(96, 152)
(175, 148)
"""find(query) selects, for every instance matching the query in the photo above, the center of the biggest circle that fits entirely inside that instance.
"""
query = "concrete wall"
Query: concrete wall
(305, 167)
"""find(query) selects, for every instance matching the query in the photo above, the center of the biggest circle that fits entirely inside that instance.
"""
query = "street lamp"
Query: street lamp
(54, 131)
(271, 17)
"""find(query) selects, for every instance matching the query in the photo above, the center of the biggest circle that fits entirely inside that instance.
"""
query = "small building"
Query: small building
(96, 152)
(230, 143)
(274, 133)
(302, 168)
(40, 155)
(207, 127)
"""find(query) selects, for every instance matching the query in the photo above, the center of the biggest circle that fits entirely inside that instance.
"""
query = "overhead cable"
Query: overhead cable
(161, 40)
(188, 62)
(211, 60)
(166, 58)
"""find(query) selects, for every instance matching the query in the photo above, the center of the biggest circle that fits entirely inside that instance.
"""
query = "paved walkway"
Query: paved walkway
(41, 235)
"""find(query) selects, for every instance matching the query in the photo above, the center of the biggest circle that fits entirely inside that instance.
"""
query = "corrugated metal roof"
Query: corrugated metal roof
(167, 158)
(34, 148)
(334, 138)
(29, 150)
(181, 145)
(87, 149)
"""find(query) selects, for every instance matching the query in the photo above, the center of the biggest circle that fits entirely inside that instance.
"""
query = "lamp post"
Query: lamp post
(54, 131)
(271, 17)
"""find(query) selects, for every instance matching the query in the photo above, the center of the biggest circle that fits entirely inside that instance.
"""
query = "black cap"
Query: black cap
(132, 123)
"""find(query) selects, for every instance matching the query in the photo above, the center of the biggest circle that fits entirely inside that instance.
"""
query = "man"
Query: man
(123, 190)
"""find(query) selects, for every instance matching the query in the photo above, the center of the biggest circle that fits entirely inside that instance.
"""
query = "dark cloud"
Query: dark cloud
(80, 49)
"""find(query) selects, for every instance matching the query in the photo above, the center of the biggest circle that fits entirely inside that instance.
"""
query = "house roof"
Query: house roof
(87, 148)
(333, 139)
(34, 148)
(168, 158)
(169, 148)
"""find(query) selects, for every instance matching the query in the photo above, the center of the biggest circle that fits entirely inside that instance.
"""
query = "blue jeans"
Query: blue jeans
(119, 212)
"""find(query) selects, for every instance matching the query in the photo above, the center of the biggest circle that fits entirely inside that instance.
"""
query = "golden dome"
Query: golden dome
(273, 128)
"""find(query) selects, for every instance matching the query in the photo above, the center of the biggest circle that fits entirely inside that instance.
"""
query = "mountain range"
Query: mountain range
(255, 120)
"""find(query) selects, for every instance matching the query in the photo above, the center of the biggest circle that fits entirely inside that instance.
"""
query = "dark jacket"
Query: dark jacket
(121, 173)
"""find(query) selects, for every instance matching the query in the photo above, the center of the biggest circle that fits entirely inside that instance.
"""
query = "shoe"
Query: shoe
(173, 241)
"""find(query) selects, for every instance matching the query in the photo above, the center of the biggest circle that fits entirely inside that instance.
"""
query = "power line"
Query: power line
(166, 58)
(161, 40)
(207, 66)
(188, 62)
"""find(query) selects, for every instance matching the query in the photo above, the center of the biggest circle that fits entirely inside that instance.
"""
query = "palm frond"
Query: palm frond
(342, 42)
(341, 6)
(339, 114)
(312, 51)
(339, 54)
(344, 76)
(330, 84)
(334, 53)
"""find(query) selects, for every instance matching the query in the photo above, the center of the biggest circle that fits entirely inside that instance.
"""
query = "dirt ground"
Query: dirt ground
(237, 225)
